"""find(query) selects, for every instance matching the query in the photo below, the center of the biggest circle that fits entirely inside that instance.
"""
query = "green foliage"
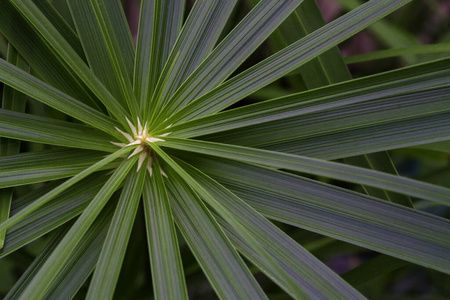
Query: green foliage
(142, 170)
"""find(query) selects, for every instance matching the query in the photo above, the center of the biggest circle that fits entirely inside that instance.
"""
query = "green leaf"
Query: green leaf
(46, 94)
(94, 46)
(231, 52)
(375, 224)
(380, 265)
(59, 23)
(119, 45)
(79, 266)
(364, 92)
(61, 188)
(380, 162)
(220, 262)
(327, 68)
(388, 33)
(31, 271)
(54, 132)
(58, 211)
(295, 269)
(287, 60)
(55, 262)
(317, 167)
(48, 66)
(197, 38)
(54, 38)
(165, 260)
(15, 101)
(33, 167)
(422, 49)
(368, 138)
(82, 261)
(111, 257)
(159, 26)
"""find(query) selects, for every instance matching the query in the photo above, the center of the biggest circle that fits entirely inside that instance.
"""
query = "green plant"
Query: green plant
(158, 111)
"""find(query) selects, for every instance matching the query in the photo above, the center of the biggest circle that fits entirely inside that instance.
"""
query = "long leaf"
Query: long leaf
(327, 68)
(94, 46)
(220, 262)
(54, 132)
(232, 51)
(119, 45)
(46, 94)
(317, 167)
(27, 168)
(111, 257)
(159, 26)
(165, 260)
(356, 218)
(369, 138)
(36, 264)
(287, 60)
(48, 66)
(82, 261)
(361, 92)
(51, 13)
(61, 188)
(58, 211)
(54, 264)
(197, 38)
(54, 38)
(15, 101)
(296, 270)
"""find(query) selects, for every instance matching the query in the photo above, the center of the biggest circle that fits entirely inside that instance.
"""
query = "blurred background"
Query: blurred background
(421, 22)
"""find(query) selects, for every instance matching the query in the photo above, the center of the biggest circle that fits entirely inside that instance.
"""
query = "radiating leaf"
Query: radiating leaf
(15, 101)
(225, 270)
(54, 264)
(197, 38)
(44, 130)
(232, 51)
(287, 60)
(165, 260)
(119, 46)
(61, 188)
(27, 168)
(317, 167)
(108, 267)
(45, 63)
(159, 26)
(295, 269)
(54, 38)
(356, 218)
(58, 211)
(38, 90)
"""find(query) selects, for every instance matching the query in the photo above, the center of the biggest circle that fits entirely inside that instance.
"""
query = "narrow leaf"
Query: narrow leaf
(111, 257)
(220, 262)
(159, 26)
(46, 94)
(317, 167)
(54, 264)
(62, 187)
(232, 51)
(54, 38)
(27, 168)
(287, 60)
(197, 38)
(295, 269)
(165, 260)
(15, 101)
(54, 132)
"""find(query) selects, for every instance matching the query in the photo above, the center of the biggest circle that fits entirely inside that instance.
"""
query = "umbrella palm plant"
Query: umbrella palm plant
(152, 127)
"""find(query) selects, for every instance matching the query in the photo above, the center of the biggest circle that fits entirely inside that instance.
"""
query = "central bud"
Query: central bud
(141, 137)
